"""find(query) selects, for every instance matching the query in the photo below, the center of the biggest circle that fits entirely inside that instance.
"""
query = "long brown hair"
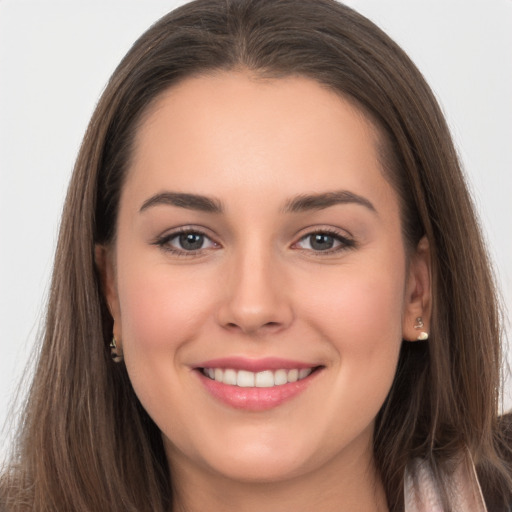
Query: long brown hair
(85, 442)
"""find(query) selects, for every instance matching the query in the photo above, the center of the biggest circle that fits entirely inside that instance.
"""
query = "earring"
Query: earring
(419, 323)
(423, 335)
(115, 352)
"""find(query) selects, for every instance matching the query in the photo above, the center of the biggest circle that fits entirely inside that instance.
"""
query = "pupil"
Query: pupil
(191, 241)
(321, 242)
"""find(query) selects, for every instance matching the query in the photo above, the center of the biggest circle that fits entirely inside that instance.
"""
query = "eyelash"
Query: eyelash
(345, 243)
(164, 242)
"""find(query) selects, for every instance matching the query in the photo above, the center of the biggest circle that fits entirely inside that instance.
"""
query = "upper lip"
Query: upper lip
(254, 365)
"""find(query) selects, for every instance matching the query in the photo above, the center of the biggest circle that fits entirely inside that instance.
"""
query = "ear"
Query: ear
(105, 263)
(418, 299)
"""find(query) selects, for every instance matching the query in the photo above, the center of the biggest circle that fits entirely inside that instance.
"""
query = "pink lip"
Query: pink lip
(254, 399)
(254, 365)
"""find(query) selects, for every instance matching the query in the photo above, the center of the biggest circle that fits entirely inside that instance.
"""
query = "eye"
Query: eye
(186, 242)
(189, 241)
(324, 241)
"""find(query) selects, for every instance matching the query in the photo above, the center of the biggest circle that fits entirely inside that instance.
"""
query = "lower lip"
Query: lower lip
(255, 399)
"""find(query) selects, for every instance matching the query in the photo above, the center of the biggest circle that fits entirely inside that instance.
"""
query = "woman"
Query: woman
(270, 291)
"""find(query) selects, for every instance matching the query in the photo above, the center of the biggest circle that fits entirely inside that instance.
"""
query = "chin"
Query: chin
(262, 469)
(264, 458)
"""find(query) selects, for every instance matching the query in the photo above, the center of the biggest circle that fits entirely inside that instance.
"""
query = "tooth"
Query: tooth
(229, 377)
(264, 379)
(304, 372)
(293, 375)
(280, 377)
(245, 379)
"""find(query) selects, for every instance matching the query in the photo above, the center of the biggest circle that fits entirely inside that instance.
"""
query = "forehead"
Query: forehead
(222, 132)
(202, 98)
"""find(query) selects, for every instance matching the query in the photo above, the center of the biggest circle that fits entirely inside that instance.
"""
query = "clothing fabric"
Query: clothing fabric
(422, 494)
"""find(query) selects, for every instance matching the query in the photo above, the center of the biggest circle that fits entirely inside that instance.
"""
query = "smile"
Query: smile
(263, 379)
(256, 385)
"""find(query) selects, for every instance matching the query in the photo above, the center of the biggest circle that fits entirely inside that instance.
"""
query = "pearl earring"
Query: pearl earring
(423, 335)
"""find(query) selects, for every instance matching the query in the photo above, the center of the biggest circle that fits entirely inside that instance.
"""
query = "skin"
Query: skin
(257, 288)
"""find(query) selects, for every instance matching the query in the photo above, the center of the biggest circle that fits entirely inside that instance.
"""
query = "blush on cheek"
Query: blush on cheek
(162, 307)
(368, 308)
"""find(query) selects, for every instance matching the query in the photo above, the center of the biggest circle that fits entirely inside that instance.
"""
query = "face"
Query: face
(259, 283)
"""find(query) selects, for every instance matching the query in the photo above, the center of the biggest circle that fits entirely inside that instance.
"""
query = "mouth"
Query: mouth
(263, 379)
(264, 388)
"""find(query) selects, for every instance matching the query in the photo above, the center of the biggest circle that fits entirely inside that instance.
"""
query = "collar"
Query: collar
(463, 492)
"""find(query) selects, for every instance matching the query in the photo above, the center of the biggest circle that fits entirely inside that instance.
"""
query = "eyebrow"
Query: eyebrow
(309, 202)
(181, 200)
(301, 203)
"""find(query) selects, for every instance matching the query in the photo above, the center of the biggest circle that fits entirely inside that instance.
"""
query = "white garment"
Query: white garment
(421, 492)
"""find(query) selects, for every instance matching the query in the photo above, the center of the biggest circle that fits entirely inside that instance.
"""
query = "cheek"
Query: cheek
(359, 313)
(163, 311)
(358, 307)
(161, 307)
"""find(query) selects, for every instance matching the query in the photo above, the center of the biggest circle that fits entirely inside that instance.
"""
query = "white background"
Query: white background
(56, 56)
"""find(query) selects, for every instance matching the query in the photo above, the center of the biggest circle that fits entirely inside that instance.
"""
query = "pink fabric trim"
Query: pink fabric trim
(421, 491)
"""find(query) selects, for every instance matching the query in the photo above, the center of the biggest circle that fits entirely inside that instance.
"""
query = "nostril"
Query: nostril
(253, 328)
(250, 317)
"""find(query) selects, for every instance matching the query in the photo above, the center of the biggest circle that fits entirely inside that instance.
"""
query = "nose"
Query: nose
(256, 300)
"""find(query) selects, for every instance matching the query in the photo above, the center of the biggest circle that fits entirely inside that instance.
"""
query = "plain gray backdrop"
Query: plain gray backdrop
(56, 56)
